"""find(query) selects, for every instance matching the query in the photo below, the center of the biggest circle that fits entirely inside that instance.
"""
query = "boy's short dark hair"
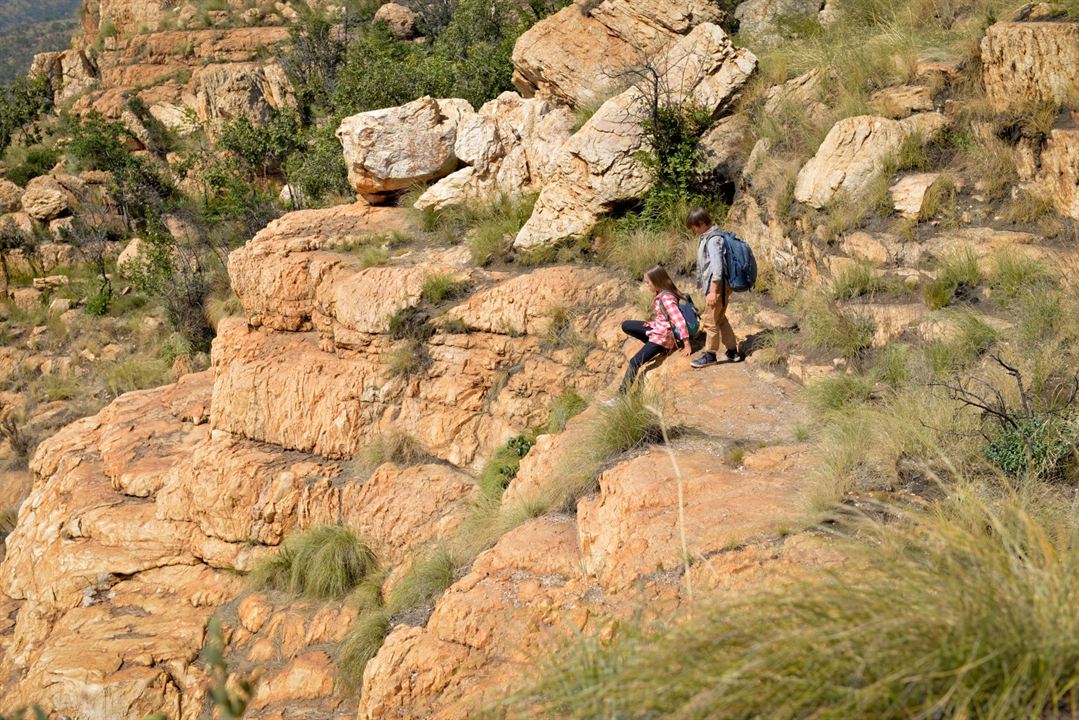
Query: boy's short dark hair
(698, 217)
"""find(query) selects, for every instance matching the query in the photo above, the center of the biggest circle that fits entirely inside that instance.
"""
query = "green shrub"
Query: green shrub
(957, 276)
(441, 287)
(263, 148)
(1042, 447)
(327, 561)
(38, 160)
(986, 628)
(21, 103)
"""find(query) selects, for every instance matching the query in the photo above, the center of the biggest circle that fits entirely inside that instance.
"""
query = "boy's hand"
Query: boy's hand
(711, 298)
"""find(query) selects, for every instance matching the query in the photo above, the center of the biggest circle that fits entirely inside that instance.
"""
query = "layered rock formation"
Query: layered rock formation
(599, 167)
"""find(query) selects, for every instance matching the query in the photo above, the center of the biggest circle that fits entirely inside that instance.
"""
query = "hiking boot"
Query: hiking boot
(704, 360)
(734, 356)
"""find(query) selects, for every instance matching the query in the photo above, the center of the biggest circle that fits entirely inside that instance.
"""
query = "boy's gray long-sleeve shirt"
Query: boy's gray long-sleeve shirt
(710, 261)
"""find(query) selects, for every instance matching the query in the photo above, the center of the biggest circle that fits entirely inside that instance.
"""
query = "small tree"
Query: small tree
(91, 234)
(263, 148)
(21, 103)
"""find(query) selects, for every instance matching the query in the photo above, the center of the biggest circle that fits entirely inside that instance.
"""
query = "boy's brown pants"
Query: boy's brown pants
(715, 323)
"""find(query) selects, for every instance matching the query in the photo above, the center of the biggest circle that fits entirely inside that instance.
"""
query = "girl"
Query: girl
(656, 334)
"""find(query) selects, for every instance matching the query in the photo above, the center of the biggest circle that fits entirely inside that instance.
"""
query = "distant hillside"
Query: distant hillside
(33, 26)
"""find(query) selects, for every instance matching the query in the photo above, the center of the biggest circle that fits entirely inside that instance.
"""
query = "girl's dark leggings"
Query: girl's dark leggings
(637, 329)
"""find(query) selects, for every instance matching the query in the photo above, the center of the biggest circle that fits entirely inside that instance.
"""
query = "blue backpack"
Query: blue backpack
(740, 265)
(689, 314)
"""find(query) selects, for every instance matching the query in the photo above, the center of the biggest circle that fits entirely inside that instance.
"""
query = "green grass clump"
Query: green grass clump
(835, 393)
(859, 279)
(639, 249)
(327, 562)
(135, 373)
(563, 409)
(1014, 274)
(441, 287)
(393, 447)
(500, 470)
(957, 276)
(424, 580)
(987, 628)
(560, 332)
(970, 338)
(834, 330)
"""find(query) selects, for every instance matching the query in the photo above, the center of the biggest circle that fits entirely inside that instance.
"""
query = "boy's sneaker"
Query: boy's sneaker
(704, 360)
(734, 356)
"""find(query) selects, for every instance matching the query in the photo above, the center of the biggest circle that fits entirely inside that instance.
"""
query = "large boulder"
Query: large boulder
(600, 166)
(225, 91)
(1030, 62)
(508, 147)
(760, 18)
(10, 197)
(400, 19)
(588, 50)
(50, 196)
(397, 148)
(854, 152)
(1060, 170)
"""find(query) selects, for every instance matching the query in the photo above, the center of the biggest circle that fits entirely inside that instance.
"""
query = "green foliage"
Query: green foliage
(502, 467)
(1040, 446)
(672, 132)
(38, 160)
(564, 408)
(98, 303)
(263, 148)
(469, 58)
(21, 103)
(860, 279)
(318, 170)
(640, 248)
(424, 580)
(986, 628)
(327, 561)
(1015, 274)
(957, 277)
(440, 287)
(361, 643)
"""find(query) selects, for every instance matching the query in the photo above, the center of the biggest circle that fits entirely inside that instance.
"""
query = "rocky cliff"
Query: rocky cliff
(143, 519)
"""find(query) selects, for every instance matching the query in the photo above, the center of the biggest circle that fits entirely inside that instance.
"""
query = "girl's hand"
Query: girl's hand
(687, 349)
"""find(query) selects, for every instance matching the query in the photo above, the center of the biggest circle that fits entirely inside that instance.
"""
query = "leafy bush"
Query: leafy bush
(327, 561)
(37, 161)
(318, 170)
(1039, 447)
(263, 148)
(21, 103)
(987, 628)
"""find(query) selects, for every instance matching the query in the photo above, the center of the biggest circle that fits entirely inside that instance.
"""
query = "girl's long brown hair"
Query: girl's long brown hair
(659, 277)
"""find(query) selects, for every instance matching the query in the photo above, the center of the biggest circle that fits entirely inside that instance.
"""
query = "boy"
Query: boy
(711, 281)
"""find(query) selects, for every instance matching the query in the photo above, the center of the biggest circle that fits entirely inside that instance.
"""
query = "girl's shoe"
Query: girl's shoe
(704, 360)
